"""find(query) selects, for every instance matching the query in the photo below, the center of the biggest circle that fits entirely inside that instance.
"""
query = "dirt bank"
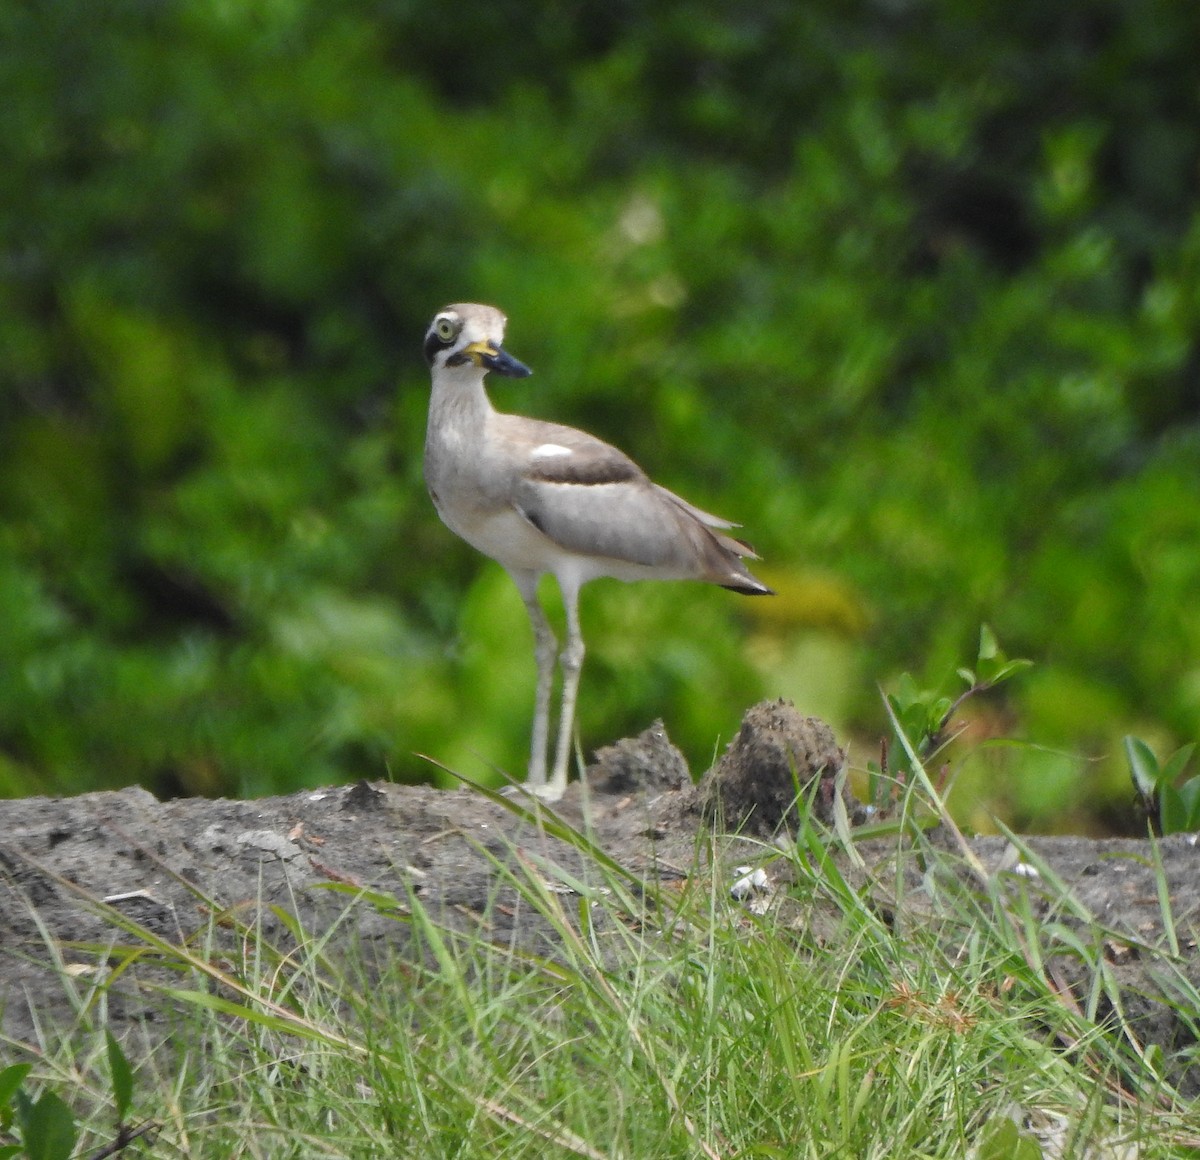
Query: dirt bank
(168, 864)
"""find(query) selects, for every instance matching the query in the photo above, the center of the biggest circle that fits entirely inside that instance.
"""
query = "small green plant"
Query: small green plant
(924, 716)
(1001, 1139)
(1174, 809)
(45, 1127)
(121, 1077)
(11, 1079)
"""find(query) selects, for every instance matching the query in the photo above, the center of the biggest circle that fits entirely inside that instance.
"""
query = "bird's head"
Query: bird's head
(469, 334)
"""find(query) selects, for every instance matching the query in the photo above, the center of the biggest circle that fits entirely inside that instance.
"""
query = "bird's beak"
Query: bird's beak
(494, 358)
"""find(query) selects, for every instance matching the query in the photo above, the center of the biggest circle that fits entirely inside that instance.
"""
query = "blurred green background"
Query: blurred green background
(909, 287)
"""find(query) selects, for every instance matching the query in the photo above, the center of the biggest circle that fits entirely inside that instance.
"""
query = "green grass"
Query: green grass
(673, 1022)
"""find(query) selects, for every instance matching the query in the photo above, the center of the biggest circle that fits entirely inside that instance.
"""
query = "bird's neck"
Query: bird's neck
(459, 406)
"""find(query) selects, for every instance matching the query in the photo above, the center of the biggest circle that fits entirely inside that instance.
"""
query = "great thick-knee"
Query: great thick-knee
(540, 497)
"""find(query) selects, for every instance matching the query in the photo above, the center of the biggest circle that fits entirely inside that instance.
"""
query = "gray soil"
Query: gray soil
(66, 864)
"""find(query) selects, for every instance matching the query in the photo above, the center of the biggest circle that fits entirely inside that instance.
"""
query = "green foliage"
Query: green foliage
(121, 1075)
(46, 1125)
(921, 718)
(909, 291)
(1174, 808)
(47, 1128)
(11, 1079)
(991, 667)
(1001, 1139)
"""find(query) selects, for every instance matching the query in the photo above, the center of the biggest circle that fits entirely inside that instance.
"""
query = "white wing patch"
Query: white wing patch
(549, 451)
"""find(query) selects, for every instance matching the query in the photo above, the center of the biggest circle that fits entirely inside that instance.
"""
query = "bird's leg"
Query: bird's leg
(544, 647)
(571, 660)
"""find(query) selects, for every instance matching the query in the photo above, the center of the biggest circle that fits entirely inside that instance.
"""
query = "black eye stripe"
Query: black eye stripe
(434, 342)
(432, 345)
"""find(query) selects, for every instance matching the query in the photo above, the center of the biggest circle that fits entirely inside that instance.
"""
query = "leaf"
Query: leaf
(1002, 1140)
(993, 665)
(1172, 812)
(1176, 763)
(1143, 765)
(989, 649)
(993, 669)
(11, 1078)
(1189, 795)
(1010, 669)
(122, 1076)
(381, 900)
(1153, 1058)
(906, 694)
(250, 1014)
(48, 1129)
(1065, 935)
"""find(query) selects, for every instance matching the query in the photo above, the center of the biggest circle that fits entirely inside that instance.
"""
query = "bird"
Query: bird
(539, 497)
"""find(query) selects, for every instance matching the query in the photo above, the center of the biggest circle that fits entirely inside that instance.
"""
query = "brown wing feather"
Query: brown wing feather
(596, 501)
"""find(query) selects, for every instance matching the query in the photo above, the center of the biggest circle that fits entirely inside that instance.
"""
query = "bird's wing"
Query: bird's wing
(590, 498)
(706, 518)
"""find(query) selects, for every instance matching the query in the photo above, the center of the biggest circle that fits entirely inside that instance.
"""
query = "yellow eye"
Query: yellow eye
(446, 328)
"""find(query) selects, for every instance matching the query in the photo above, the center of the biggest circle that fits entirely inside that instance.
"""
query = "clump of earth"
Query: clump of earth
(67, 863)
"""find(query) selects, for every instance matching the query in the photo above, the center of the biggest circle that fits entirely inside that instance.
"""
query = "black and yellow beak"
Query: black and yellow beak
(494, 358)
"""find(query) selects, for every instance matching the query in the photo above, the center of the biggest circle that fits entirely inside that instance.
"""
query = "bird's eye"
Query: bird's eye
(446, 328)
